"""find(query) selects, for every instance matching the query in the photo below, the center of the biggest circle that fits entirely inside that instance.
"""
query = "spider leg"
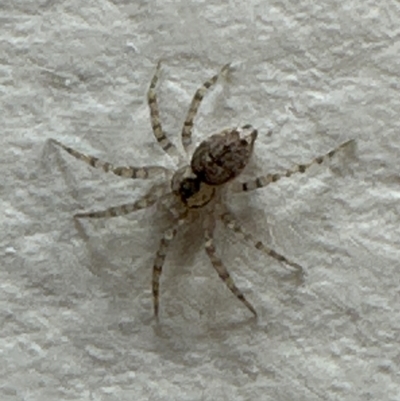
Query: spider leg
(144, 202)
(160, 135)
(166, 240)
(265, 180)
(231, 222)
(219, 266)
(194, 106)
(146, 172)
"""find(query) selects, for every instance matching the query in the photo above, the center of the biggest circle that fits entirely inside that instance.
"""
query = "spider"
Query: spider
(197, 185)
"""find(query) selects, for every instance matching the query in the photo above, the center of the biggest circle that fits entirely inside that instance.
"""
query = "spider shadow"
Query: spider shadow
(100, 262)
(114, 257)
(249, 214)
(177, 340)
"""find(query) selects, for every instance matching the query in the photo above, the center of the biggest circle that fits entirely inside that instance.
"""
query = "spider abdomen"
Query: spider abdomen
(223, 156)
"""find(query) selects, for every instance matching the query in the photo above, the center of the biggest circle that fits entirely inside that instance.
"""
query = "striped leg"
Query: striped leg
(231, 222)
(146, 201)
(166, 240)
(263, 181)
(127, 171)
(194, 106)
(160, 135)
(218, 265)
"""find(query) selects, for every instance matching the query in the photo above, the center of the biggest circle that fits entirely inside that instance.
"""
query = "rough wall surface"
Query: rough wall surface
(75, 300)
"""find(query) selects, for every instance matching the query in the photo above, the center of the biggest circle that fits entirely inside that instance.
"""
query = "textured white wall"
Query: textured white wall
(76, 311)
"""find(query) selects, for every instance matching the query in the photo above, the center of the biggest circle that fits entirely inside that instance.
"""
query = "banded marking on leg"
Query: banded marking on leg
(230, 221)
(146, 172)
(266, 180)
(146, 201)
(194, 106)
(221, 269)
(162, 251)
(158, 132)
(143, 173)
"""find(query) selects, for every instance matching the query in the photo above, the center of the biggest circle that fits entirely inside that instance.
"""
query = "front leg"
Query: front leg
(265, 180)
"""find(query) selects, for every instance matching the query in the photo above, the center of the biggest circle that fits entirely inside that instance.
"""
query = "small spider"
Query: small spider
(197, 185)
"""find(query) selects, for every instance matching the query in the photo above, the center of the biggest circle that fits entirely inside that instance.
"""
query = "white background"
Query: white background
(76, 307)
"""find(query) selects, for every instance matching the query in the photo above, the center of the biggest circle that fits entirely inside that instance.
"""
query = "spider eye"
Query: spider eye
(188, 188)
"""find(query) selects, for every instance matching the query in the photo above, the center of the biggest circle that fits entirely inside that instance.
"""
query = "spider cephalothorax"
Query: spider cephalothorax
(190, 189)
(217, 160)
